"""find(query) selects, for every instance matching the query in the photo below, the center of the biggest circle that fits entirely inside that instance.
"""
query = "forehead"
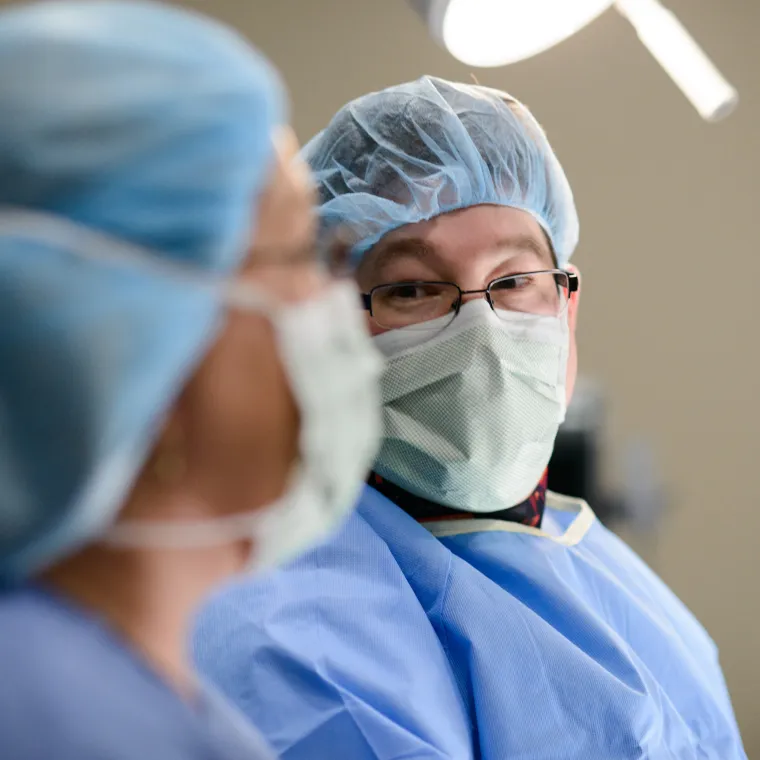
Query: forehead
(467, 233)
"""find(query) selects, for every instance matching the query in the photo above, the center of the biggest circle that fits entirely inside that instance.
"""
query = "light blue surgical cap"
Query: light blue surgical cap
(417, 150)
(153, 126)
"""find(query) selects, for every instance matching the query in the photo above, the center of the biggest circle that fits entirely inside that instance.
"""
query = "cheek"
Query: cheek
(267, 419)
(373, 327)
(249, 422)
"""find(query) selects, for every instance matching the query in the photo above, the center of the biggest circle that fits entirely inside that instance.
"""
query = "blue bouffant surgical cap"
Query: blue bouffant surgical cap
(417, 150)
(142, 124)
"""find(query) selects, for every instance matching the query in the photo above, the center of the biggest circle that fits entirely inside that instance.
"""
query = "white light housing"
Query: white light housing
(498, 32)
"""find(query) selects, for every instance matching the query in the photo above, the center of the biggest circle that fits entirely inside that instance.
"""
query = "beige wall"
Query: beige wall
(670, 214)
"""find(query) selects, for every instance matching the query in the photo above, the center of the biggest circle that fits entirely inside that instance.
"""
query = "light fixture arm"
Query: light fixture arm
(678, 53)
(471, 30)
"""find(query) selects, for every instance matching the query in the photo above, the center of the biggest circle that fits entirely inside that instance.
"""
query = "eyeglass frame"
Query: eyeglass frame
(331, 251)
(573, 283)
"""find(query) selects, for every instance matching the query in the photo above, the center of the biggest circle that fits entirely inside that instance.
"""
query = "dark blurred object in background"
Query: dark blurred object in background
(577, 467)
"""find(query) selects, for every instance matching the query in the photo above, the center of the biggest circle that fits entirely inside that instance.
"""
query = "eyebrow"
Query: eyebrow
(527, 243)
(421, 250)
(407, 248)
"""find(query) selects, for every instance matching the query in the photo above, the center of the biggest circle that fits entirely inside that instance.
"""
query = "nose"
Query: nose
(473, 295)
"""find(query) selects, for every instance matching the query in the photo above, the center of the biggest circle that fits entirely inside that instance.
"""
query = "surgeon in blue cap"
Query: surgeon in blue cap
(186, 393)
(463, 612)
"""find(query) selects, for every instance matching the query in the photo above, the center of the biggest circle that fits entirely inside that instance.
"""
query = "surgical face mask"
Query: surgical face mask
(333, 372)
(471, 414)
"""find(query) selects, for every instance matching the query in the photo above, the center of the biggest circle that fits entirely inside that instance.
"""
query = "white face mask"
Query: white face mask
(333, 371)
(471, 413)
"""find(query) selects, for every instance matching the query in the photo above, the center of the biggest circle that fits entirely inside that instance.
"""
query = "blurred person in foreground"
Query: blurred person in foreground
(463, 612)
(185, 393)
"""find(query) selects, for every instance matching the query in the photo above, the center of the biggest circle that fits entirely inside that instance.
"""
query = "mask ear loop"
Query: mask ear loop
(200, 533)
(563, 363)
(573, 285)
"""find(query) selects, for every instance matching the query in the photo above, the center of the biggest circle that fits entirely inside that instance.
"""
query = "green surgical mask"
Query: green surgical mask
(471, 414)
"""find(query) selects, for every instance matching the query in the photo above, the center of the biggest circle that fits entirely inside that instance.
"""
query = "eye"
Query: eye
(517, 282)
(438, 296)
(402, 304)
(406, 291)
(531, 292)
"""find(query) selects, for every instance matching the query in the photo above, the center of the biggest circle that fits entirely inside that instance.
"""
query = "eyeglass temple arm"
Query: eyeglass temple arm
(573, 281)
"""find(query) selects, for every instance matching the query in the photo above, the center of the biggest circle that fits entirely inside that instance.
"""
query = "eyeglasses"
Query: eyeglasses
(330, 250)
(418, 303)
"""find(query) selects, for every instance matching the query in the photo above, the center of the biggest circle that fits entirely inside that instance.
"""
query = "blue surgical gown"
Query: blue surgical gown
(488, 640)
(70, 690)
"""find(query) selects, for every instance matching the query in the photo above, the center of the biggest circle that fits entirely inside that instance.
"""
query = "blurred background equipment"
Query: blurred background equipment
(633, 496)
(498, 32)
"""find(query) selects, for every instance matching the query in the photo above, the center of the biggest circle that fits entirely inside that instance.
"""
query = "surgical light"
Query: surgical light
(498, 32)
